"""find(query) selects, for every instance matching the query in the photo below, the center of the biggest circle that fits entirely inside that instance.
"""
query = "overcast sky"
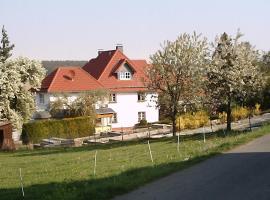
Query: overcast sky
(76, 29)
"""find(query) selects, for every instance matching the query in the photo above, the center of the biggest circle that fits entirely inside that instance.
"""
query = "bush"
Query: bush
(142, 124)
(239, 113)
(192, 121)
(257, 109)
(35, 131)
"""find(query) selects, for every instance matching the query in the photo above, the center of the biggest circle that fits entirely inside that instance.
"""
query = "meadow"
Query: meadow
(72, 173)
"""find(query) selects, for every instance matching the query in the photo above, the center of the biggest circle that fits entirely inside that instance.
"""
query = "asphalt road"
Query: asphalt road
(243, 173)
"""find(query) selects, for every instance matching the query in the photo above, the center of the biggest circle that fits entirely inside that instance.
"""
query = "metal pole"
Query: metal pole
(150, 152)
(203, 135)
(21, 181)
(95, 165)
(178, 139)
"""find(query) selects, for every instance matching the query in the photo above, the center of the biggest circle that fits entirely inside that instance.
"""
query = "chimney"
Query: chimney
(100, 51)
(119, 47)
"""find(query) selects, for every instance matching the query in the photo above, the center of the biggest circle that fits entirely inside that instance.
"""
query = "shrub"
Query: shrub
(257, 109)
(142, 124)
(191, 121)
(65, 128)
(239, 113)
(222, 117)
(165, 121)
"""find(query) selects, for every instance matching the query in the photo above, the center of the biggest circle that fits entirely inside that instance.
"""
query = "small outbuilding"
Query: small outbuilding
(6, 141)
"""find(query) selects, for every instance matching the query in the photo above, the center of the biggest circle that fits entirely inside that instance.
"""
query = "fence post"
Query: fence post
(249, 121)
(203, 135)
(21, 181)
(122, 133)
(150, 152)
(95, 165)
(178, 139)
(148, 131)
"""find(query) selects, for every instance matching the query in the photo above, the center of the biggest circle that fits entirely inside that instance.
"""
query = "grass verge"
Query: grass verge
(68, 173)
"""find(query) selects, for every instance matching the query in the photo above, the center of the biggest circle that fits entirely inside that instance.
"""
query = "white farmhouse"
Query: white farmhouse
(129, 101)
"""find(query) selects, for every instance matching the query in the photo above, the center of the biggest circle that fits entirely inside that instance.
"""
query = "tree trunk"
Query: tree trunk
(229, 115)
(249, 120)
(174, 127)
(173, 117)
(211, 124)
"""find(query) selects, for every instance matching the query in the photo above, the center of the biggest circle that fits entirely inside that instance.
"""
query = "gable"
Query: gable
(105, 71)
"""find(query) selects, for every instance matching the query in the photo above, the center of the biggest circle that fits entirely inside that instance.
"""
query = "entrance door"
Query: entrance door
(1, 138)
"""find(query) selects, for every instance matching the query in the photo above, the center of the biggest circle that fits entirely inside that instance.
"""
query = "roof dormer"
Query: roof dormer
(123, 70)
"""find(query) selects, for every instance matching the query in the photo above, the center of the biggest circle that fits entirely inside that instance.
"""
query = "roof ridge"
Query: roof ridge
(68, 66)
(56, 72)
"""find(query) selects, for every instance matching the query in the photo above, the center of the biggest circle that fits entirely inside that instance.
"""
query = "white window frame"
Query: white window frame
(124, 75)
(141, 97)
(141, 116)
(113, 98)
(41, 98)
(114, 118)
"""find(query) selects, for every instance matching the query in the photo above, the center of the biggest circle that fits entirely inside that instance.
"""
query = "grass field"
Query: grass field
(68, 173)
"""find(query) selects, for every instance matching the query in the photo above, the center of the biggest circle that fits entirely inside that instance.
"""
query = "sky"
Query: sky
(76, 29)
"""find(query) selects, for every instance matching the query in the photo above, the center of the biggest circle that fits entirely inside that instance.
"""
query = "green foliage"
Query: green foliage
(233, 73)
(82, 106)
(67, 173)
(176, 73)
(66, 128)
(192, 121)
(6, 47)
(143, 122)
(18, 79)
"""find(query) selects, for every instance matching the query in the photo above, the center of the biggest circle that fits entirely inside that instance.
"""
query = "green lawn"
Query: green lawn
(67, 173)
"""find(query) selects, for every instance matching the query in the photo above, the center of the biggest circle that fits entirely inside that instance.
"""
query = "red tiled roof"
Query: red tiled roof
(105, 64)
(69, 79)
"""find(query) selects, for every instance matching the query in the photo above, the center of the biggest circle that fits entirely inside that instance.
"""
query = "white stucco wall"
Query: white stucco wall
(127, 108)
(49, 97)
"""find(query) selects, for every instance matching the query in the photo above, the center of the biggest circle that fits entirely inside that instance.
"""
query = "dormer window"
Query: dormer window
(124, 75)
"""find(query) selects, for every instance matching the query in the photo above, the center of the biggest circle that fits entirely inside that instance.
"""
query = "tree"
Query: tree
(264, 62)
(233, 72)
(18, 79)
(6, 47)
(176, 72)
(83, 105)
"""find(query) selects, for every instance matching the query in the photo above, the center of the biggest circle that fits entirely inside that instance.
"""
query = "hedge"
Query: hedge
(35, 131)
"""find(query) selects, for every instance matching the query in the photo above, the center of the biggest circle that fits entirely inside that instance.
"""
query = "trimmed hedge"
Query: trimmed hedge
(68, 128)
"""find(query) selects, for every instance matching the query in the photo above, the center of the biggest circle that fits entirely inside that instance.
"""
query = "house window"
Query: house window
(41, 98)
(114, 118)
(124, 75)
(141, 96)
(141, 116)
(98, 121)
(113, 97)
(127, 75)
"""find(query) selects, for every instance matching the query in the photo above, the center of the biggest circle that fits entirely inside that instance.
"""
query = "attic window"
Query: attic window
(70, 75)
(124, 75)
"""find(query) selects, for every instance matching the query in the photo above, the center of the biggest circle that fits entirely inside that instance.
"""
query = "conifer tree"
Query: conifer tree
(5, 46)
